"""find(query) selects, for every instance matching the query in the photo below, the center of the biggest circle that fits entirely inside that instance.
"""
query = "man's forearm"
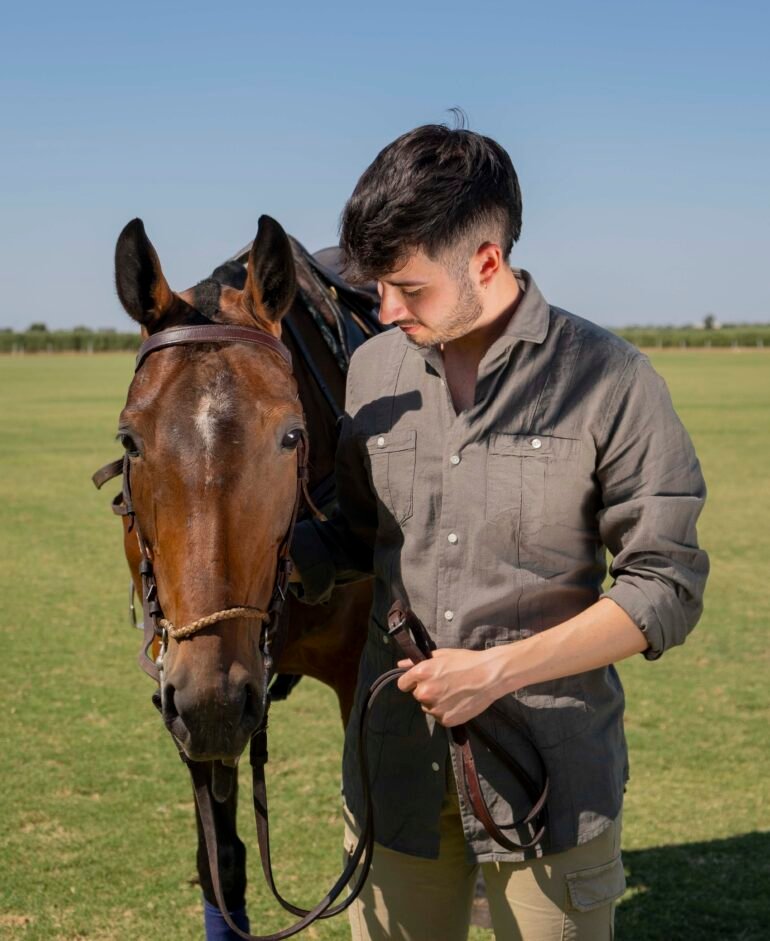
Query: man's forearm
(455, 685)
(598, 636)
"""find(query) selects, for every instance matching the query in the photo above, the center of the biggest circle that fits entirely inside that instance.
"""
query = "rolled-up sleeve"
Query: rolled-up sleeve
(652, 494)
(340, 549)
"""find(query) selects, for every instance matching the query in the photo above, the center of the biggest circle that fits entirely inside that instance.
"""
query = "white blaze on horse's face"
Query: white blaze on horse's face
(214, 405)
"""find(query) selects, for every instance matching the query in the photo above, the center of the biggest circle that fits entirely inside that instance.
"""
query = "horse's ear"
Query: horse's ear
(141, 285)
(271, 281)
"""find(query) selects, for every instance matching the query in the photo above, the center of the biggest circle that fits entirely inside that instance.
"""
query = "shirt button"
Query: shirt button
(452, 537)
(385, 638)
(448, 615)
(454, 459)
(435, 766)
(380, 442)
(536, 443)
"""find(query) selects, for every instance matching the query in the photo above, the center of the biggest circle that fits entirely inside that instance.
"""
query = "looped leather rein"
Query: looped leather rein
(410, 635)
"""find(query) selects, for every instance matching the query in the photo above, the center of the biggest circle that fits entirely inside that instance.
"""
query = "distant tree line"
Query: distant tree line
(729, 335)
(37, 338)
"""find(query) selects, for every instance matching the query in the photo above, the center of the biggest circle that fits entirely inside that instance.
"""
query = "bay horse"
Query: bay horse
(211, 434)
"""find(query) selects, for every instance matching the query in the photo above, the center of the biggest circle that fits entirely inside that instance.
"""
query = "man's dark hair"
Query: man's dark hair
(433, 188)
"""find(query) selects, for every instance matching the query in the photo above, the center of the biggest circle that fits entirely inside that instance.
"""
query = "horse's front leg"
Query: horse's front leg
(232, 867)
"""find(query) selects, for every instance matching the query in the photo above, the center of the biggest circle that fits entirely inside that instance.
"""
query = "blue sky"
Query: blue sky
(641, 134)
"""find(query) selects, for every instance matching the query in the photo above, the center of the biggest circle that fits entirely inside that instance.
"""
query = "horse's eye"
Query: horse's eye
(291, 438)
(129, 444)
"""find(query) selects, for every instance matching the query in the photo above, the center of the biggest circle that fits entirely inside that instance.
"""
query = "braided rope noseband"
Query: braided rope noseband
(187, 630)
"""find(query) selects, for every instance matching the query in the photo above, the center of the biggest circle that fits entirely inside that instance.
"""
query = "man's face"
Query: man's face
(430, 301)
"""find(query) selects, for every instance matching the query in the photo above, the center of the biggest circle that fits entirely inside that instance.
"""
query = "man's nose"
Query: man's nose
(391, 308)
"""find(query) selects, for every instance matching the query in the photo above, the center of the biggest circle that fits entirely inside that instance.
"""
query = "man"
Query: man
(492, 447)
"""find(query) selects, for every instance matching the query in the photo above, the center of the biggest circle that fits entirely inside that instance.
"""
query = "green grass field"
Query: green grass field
(96, 812)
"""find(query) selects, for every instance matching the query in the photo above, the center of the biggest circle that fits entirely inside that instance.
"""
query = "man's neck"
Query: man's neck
(500, 300)
(463, 355)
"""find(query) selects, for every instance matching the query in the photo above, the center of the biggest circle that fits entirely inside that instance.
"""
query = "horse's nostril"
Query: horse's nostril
(168, 706)
(251, 705)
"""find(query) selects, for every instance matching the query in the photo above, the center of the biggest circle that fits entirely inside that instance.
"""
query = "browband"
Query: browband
(210, 333)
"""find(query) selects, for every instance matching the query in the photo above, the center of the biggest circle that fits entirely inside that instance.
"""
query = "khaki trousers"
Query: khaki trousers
(565, 896)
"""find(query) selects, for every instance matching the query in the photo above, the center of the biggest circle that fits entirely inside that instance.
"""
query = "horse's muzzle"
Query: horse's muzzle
(212, 724)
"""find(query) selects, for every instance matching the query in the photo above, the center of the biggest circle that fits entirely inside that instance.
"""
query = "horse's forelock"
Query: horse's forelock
(232, 274)
(206, 297)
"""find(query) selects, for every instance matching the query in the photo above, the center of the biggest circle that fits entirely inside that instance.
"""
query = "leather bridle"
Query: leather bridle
(155, 624)
(404, 629)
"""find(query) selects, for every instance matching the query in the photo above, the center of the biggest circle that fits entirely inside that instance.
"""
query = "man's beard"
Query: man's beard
(460, 319)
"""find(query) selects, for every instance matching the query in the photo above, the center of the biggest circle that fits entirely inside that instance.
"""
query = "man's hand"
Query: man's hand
(456, 685)
(453, 686)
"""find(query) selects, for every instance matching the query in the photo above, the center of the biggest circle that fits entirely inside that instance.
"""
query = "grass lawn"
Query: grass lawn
(95, 810)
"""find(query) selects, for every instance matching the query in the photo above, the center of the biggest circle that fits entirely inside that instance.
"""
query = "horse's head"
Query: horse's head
(211, 431)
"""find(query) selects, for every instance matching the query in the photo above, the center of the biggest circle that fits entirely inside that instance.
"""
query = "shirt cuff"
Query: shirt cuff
(313, 563)
(632, 599)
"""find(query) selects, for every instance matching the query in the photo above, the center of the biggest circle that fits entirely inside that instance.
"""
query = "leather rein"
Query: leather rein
(405, 630)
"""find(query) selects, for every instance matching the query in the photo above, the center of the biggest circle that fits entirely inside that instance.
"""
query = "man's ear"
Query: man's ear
(270, 279)
(488, 260)
(141, 285)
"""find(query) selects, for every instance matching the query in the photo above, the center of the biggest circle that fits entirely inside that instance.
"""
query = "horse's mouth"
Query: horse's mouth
(224, 771)
(181, 736)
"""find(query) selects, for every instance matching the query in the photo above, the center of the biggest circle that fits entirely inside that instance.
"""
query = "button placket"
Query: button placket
(459, 465)
(448, 564)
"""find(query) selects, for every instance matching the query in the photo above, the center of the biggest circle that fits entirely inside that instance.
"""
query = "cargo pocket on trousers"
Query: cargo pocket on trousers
(592, 888)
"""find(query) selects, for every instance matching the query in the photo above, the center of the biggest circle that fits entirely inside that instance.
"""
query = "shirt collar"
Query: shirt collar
(532, 315)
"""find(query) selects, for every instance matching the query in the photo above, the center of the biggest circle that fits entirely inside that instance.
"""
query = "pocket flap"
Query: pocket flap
(532, 444)
(389, 441)
(592, 888)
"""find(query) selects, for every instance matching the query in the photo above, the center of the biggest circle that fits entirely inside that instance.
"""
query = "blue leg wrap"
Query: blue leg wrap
(216, 926)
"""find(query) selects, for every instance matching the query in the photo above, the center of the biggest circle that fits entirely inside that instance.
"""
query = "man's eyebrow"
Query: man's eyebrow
(404, 284)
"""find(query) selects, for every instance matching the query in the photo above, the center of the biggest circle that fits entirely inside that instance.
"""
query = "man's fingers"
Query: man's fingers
(407, 682)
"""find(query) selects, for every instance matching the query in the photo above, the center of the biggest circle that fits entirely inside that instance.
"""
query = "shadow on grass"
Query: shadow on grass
(697, 891)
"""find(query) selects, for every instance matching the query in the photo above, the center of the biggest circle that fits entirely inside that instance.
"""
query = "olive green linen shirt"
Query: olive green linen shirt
(493, 525)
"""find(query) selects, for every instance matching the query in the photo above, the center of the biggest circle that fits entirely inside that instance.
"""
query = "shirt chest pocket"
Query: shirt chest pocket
(391, 461)
(525, 474)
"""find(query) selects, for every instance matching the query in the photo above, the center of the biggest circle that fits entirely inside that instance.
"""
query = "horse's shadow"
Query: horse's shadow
(718, 889)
